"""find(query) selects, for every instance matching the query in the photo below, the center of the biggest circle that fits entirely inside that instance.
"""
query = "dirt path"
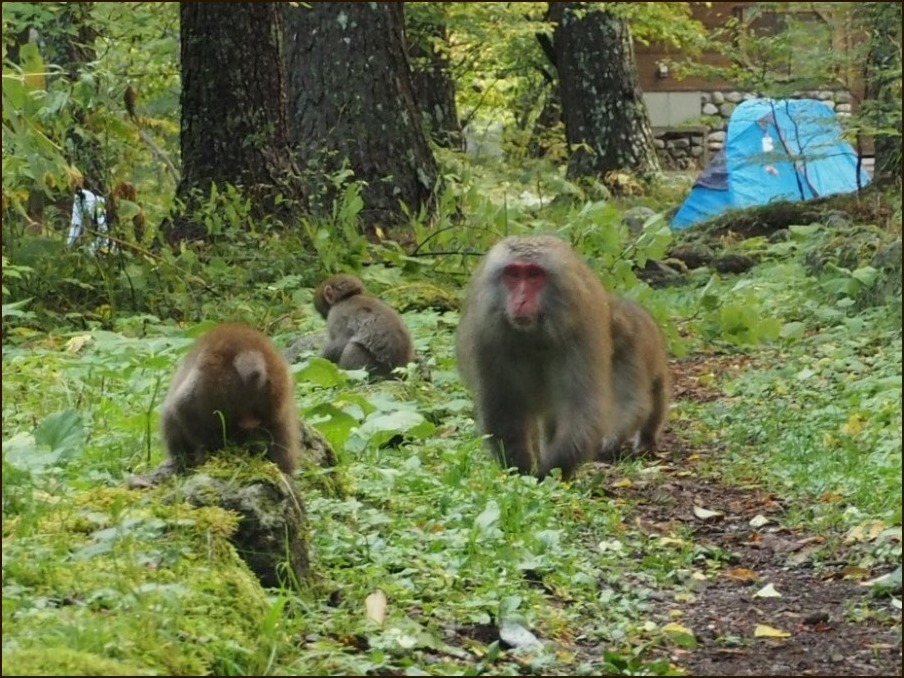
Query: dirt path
(834, 626)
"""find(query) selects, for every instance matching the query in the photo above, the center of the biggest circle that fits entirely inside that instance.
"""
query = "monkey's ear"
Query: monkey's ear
(329, 293)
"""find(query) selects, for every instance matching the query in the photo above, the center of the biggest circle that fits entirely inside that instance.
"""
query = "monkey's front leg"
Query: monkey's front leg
(512, 433)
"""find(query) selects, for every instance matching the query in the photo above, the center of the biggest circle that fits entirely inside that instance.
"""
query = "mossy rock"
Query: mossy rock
(849, 248)
(112, 581)
(271, 535)
(65, 661)
(421, 296)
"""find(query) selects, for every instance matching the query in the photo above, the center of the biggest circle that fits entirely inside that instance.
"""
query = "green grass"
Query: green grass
(99, 580)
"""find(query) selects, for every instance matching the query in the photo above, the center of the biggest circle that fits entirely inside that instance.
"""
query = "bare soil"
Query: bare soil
(835, 626)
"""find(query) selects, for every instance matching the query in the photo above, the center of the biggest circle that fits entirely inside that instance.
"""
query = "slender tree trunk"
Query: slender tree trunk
(234, 127)
(883, 86)
(606, 121)
(434, 89)
(73, 49)
(351, 103)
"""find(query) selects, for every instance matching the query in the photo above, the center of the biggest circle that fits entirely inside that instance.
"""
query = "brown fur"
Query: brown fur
(363, 331)
(233, 387)
(542, 391)
(640, 377)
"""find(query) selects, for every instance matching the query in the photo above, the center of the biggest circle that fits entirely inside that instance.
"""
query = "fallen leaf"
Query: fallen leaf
(706, 514)
(622, 482)
(768, 591)
(890, 581)
(375, 604)
(515, 635)
(868, 530)
(853, 425)
(77, 343)
(680, 635)
(613, 545)
(742, 574)
(763, 631)
(854, 572)
(759, 521)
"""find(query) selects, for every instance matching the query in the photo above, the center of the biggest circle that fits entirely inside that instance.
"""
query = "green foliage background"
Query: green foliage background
(99, 580)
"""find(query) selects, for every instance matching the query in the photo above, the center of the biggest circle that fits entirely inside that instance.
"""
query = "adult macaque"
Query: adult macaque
(363, 332)
(640, 378)
(535, 345)
(233, 388)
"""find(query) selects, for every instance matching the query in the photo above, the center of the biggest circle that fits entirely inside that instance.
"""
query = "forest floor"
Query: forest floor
(832, 623)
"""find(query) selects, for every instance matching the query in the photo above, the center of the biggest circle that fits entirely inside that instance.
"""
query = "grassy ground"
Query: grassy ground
(436, 562)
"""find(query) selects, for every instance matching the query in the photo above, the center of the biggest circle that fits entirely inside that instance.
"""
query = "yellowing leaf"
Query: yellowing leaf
(742, 574)
(763, 631)
(77, 343)
(868, 530)
(375, 604)
(854, 572)
(622, 482)
(671, 541)
(768, 591)
(706, 514)
(675, 627)
(853, 425)
(680, 635)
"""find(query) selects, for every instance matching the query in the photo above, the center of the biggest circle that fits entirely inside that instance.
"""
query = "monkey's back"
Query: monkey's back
(232, 387)
(379, 329)
(640, 369)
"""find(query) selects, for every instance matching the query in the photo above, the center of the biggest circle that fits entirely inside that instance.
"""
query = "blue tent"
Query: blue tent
(774, 150)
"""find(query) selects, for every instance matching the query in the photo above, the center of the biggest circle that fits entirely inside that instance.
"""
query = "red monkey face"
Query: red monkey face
(524, 283)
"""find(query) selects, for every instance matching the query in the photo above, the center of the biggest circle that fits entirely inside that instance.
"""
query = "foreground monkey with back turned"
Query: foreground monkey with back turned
(232, 388)
(363, 332)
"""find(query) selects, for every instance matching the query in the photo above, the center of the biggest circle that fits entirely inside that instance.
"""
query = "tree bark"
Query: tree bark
(882, 102)
(434, 89)
(606, 121)
(351, 102)
(73, 48)
(234, 128)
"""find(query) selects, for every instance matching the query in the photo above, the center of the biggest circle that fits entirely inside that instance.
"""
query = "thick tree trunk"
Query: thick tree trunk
(883, 86)
(606, 121)
(351, 101)
(234, 125)
(434, 89)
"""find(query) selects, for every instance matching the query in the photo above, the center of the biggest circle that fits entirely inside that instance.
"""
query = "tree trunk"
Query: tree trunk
(234, 127)
(351, 102)
(882, 104)
(434, 89)
(72, 47)
(606, 122)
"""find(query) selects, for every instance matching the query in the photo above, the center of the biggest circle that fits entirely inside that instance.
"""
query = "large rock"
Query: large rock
(272, 533)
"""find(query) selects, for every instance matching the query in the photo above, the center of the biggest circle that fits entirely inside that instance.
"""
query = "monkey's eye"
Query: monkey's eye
(523, 271)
